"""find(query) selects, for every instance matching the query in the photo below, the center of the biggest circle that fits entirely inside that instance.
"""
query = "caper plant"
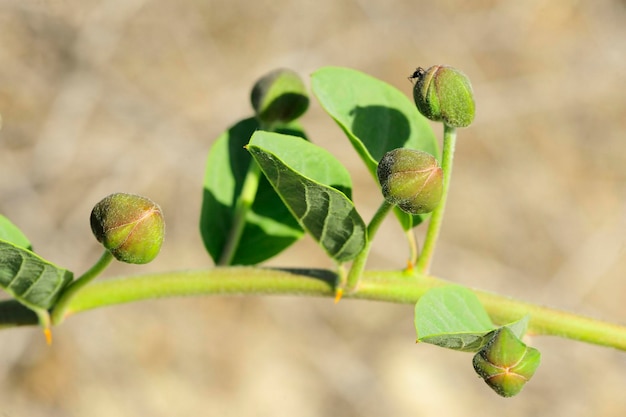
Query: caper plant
(266, 185)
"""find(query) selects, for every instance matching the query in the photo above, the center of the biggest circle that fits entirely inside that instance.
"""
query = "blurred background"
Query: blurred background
(127, 95)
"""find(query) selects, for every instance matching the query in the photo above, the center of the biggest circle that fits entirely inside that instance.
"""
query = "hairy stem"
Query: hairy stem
(434, 226)
(60, 308)
(359, 262)
(242, 206)
(413, 247)
(389, 286)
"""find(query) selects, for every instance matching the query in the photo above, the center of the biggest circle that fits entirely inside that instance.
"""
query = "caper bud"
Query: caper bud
(131, 227)
(506, 364)
(279, 97)
(444, 94)
(410, 179)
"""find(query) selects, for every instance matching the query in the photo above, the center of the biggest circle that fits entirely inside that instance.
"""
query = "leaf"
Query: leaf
(375, 116)
(519, 327)
(269, 227)
(315, 187)
(31, 280)
(452, 317)
(11, 233)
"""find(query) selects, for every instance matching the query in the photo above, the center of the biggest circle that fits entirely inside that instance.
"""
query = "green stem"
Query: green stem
(358, 265)
(434, 226)
(413, 247)
(390, 286)
(242, 206)
(60, 309)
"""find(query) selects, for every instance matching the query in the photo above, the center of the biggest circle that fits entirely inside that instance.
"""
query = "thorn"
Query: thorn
(338, 294)
(48, 335)
(409, 266)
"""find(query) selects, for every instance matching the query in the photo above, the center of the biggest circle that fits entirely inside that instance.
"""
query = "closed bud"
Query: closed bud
(506, 364)
(131, 227)
(410, 179)
(444, 94)
(279, 97)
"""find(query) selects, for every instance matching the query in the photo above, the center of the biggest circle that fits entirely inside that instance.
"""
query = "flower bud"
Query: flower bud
(411, 179)
(279, 97)
(131, 227)
(443, 93)
(506, 363)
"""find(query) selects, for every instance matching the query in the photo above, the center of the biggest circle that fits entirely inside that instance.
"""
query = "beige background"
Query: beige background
(127, 95)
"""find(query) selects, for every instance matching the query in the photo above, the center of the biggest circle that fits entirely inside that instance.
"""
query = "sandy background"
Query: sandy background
(128, 95)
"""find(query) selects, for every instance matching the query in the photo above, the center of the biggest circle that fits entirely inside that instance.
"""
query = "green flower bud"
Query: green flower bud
(506, 363)
(279, 97)
(131, 227)
(411, 179)
(443, 93)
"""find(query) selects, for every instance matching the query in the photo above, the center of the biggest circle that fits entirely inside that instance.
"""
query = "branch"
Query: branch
(389, 286)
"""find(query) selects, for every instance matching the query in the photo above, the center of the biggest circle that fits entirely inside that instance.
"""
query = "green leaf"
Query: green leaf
(452, 317)
(269, 227)
(375, 116)
(519, 327)
(11, 233)
(315, 187)
(31, 280)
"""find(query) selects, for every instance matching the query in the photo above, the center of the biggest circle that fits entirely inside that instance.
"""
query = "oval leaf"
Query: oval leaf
(316, 189)
(452, 317)
(30, 279)
(11, 233)
(269, 227)
(375, 116)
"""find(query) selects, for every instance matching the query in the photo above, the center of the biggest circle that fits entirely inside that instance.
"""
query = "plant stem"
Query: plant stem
(358, 265)
(242, 206)
(60, 309)
(389, 286)
(434, 226)
(413, 248)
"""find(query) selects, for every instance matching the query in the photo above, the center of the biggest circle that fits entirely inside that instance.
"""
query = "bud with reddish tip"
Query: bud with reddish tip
(131, 227)
(279, 97)
(444, 94)
(506, 364)
(411, 179)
